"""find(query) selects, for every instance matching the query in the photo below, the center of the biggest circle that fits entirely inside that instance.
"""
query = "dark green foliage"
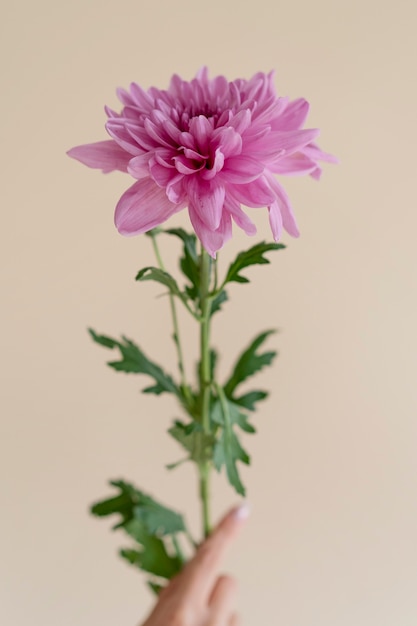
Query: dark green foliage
(192, 438)
(189, 262)
(133, 360)
(218, 300)
(152, 526)
(164, 278)
(248, 400)
(249, 362)
(131, 503)
(228, 450)
(253, 256)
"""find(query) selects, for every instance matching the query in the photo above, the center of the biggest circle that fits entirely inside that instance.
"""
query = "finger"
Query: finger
(201, 572)
(222, 599)
(234, 620)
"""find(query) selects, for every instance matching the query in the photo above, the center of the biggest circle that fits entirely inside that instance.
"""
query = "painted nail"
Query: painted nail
(242, 512)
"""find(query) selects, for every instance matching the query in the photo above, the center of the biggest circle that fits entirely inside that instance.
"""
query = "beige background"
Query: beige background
(332, 539)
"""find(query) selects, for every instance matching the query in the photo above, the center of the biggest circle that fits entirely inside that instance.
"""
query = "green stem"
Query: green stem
(205, 383)
(176, 335)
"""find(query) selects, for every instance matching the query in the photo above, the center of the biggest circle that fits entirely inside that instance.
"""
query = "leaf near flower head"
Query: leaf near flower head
(253, 256)
(189, 262)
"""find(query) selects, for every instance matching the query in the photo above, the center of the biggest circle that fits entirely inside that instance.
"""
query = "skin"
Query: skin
(199, 595)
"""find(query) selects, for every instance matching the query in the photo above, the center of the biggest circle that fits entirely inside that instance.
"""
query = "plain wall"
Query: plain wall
(332, 538)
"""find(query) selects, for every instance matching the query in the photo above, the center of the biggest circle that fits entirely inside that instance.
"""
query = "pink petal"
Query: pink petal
(294, 165)
(176, 190)
(293, 116)
(216, 166)
(139, 166)
(186, 166)
(211, 240)
(201, 128)
(228, 140)
(206, 199)
(313, 151)
(116, 129)
(241, 121)
(316, 174)
(142, 207)
(239, 216)
(279, 142)
(256, 194)
(275, 220)
(242, 169)
(158, 134)
(283, 201)
(162, 174)
(103, 155)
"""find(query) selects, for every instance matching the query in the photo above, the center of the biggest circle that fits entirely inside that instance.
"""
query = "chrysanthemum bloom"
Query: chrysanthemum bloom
(209, 145)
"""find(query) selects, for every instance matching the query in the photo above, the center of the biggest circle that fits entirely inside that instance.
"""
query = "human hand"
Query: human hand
(198, 595)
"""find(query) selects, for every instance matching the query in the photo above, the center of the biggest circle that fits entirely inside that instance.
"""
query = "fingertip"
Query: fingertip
(242, 511)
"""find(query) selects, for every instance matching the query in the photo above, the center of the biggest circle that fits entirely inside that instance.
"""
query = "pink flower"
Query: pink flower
(209, 145)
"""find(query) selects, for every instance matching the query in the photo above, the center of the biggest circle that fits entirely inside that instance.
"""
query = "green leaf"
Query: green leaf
(133, 504)
(159, 276)
(133, 360)
(191, 437)
(249, 362)
(153, 556)
(153, 526)
(228, 450)
(234, 415)
(189, 262)
(253, 256)
(217, 301)
(248, 400)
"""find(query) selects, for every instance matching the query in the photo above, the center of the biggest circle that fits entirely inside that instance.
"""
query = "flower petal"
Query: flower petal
(293, 116)
(288, 219)
(239, 216)
(278, 143)
(104, 155)
(294, 165)
(255, 194)
(142, 207)
(228, 140)
(207, 199)
(211, 240)
(313, 151)
(242, 169)
(139, 166)
(275, 220)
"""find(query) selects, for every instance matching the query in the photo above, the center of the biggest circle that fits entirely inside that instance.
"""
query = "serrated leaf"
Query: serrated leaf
(133, 360)
(234, 415)
(162, 277)
(189, 262)
(228, 450)
(153, 556)
(252, 256)
(248, 400)
(249, 362)
(191, 437)
(217, 301)
(133, 504)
